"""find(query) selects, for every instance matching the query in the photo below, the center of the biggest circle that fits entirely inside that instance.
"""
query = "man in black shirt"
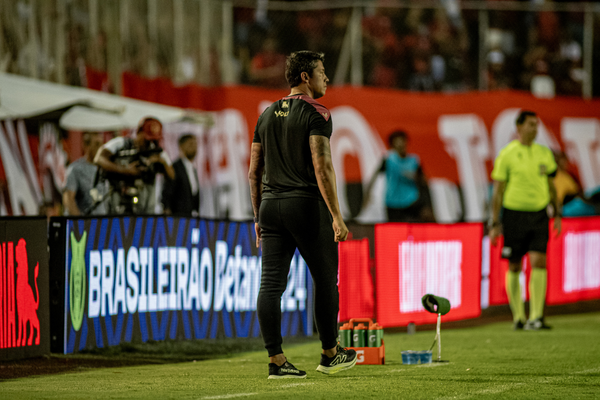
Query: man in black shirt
(294, 197)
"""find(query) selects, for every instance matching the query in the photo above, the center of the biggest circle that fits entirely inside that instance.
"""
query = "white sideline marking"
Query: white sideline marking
(296, 384)
(587, 371)
(494, 390)
(230, 396)
(432, 365)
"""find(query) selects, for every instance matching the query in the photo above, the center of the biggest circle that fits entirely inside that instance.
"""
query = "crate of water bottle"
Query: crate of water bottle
(416, 357)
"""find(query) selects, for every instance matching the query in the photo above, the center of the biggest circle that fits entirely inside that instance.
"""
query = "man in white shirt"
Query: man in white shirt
(181, 196)
(131, 165)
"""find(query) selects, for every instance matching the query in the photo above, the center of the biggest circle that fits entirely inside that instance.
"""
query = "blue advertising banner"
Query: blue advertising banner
(156, 278)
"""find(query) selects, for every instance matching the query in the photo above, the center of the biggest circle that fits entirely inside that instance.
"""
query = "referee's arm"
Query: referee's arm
(494, 224)
(556, 204)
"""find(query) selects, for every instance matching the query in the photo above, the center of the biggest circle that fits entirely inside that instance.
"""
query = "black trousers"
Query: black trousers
(287, 224)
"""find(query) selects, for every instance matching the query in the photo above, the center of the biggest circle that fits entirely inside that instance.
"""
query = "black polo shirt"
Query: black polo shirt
(284, 129)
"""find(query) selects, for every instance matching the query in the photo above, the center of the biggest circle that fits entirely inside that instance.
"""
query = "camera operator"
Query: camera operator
(130, 165)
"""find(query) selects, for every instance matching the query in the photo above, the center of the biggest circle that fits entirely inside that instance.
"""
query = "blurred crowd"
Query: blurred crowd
(417, 49)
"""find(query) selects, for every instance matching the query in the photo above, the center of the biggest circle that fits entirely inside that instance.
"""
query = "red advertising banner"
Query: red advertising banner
(574, 261)
(456, 136)
(355, 281)
(416, 259)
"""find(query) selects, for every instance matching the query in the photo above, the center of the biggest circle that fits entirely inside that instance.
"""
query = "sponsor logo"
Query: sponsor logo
(282, 113)
(360, 356)
(325, 115)
(14, 333)
(285, 105)
(429, 267)
(543, 169)
(289, 371)
(339, 359)
(147, 279)
(77, 281)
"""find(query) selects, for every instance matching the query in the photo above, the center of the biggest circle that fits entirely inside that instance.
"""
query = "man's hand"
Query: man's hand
(494, 233)
(557, 226)
(156, 158)
(340, 229)
(133, 169)
(257, 230)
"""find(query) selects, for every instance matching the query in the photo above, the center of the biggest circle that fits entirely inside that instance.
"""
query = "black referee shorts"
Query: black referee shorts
(524, 231)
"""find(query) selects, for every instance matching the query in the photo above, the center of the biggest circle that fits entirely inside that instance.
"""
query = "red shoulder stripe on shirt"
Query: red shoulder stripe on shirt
(321, 109)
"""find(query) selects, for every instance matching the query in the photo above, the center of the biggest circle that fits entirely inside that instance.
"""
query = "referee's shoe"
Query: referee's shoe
(343, 359)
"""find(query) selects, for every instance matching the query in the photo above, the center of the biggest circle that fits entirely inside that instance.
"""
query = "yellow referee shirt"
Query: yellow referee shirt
(525, 170)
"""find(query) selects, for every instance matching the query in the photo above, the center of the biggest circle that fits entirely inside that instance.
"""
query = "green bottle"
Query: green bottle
(345, 335)
(359, 336)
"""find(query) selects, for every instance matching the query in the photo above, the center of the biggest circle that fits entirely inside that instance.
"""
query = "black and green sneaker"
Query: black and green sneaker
(286, 370)
(344, 359)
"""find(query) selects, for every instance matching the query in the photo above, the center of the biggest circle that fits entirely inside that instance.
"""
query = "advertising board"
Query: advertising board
(574, 261)
(573, 264)
(417, 259)
(156, 278)
(24, 298)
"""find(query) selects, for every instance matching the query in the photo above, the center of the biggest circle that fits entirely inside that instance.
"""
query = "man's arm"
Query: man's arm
(102, 160)
(165, 162)
(495, 224)
(257, 166)
(555, 201)
(70, 203)
(321, 158)
(367, 193)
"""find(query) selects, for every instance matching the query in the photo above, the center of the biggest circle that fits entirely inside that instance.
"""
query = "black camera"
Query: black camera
(129, 189)
(131, 154)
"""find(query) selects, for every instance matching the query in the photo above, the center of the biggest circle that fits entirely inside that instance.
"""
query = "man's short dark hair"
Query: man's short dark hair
(185, 137)
(523, 116)
(299, 62)
(397, 134)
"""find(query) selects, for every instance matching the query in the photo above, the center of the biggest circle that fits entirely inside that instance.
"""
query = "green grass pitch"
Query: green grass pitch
(486, 362)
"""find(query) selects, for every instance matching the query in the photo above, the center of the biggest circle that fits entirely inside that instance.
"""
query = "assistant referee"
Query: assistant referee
(523, 177)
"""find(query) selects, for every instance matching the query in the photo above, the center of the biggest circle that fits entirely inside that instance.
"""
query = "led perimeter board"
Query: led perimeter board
(135, 279)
